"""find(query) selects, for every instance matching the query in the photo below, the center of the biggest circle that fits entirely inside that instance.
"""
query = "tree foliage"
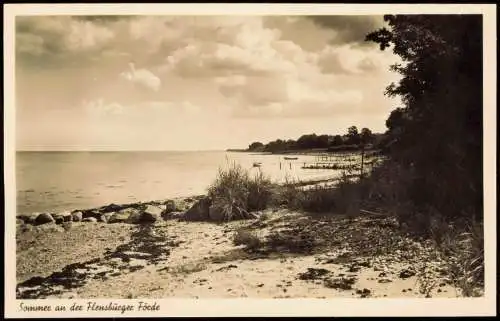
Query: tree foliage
(438, 130)
(255, 146)
(311, 141)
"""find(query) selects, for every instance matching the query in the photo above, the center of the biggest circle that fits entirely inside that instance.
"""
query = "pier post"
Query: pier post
(362, 159)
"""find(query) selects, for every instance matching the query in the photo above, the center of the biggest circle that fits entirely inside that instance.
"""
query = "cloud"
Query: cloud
(349, 59)
(255, 66)
(142, 77)
(52, 36)
(349, 29)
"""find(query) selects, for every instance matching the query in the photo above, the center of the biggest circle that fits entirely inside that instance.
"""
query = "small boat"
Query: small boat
(291, 158)
(256, 164)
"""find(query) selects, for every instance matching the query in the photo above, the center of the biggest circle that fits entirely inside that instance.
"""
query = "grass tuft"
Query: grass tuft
(235, 192)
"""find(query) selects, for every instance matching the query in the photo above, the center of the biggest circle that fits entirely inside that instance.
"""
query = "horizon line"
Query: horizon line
(123, 150)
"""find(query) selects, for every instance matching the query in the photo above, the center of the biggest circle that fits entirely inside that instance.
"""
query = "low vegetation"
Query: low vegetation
(235, 192)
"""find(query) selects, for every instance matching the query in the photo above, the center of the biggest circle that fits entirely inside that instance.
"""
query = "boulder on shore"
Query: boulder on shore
(44, 218)
(199, 211)
(31, 219)
(134, 216)
(170, 206)
(215, 213)
(92, 213)
(172, 215)
(24, 218)
(89, 219)
(58, 219)
(105, 217)
(76, 216)
(151, 214)
(67, 217)
(126, 215)
(111, 208)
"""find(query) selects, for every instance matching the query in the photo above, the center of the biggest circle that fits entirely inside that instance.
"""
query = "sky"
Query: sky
(195, 82)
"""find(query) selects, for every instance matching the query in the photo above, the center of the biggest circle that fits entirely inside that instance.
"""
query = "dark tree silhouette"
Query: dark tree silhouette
(255, 146)
(438, 131)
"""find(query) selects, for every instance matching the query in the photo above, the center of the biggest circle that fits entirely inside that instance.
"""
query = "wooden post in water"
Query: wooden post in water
(362, 159)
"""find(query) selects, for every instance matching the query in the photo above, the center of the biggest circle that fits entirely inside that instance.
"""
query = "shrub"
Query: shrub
(236, 193)
(260, 192)
(290, 194)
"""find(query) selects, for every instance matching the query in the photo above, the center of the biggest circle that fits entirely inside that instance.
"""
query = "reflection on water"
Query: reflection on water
(86, 179)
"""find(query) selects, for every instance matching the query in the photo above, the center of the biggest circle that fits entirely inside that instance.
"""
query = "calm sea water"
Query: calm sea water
(56, 181)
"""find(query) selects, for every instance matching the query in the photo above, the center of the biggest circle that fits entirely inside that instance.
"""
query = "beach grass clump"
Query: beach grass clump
(260, 192)
(235, 192)
(463, 250)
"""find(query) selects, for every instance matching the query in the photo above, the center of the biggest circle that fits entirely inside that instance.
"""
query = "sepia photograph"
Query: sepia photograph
(256, 156)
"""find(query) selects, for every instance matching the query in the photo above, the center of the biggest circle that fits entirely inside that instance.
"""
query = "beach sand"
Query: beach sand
(347, 257)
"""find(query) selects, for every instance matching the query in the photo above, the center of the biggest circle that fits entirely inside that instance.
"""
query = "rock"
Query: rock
(92, 213)
(354, 268)
(44, 218)
(19, 221)
(199, 211)
(215, 213)
(123, 216)
(406, 273)
(105, 217)
(76, 216)
(170, 206)
(364, 264)
(313, 274)
(89, 219)
(172, 215)
(25, 218)
(59, 219)
(151, 214)
(364, 293)
(340, 283)
(67, 217)
(384, 281)
(151, 209)
(110, 208)
(32, 219)
(134, 217)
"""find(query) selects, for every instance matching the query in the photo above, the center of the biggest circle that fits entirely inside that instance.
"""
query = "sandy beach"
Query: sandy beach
(297, 256)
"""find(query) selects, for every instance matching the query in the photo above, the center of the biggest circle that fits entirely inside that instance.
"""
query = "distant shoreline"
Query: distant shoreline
(311, 152)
